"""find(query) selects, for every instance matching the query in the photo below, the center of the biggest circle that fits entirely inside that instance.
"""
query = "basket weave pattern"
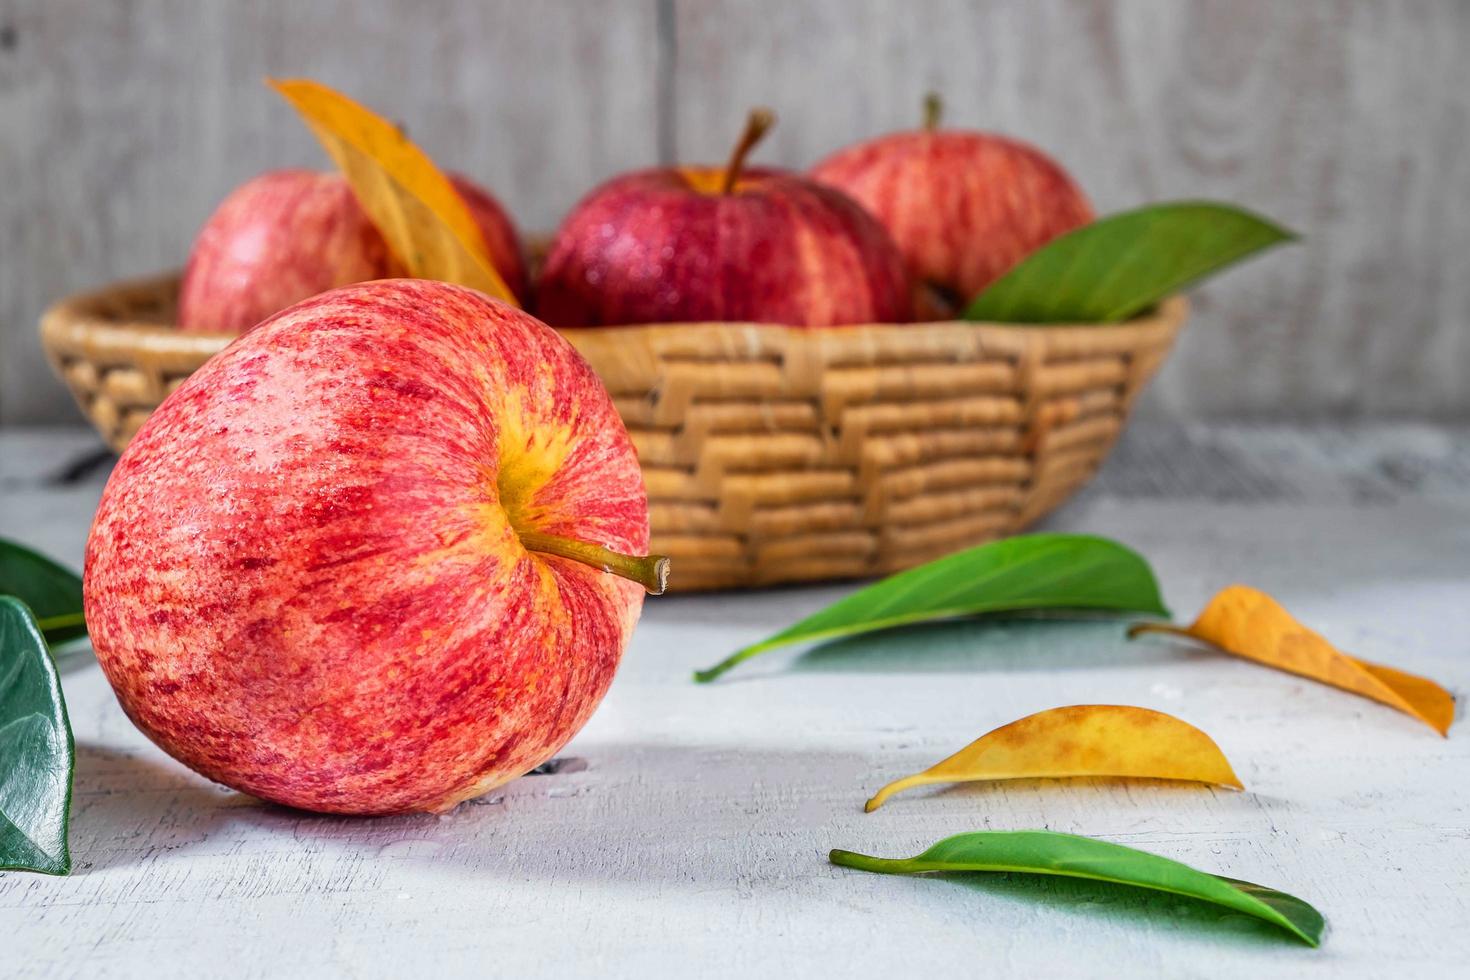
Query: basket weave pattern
(771, 454)
(118, 352)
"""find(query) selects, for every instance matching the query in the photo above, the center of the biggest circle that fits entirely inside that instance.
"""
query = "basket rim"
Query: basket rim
(94, 313)
(1032, 386)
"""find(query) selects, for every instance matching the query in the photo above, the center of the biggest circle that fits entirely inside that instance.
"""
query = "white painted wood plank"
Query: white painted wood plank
(694, 841)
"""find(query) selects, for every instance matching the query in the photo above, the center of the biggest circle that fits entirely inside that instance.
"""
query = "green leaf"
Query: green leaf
(1123, 264)
(36, 751)
(53, 593)
(1046, 852)
(1034, 571)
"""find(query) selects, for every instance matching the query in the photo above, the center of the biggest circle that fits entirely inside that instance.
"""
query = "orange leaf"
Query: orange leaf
(421, 215)
(1251, 624)
(1081, 740)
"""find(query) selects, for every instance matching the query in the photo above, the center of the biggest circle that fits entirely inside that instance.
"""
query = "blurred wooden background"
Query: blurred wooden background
(122, 124)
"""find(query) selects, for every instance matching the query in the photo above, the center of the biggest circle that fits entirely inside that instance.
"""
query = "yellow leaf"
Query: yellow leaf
(421, 215)
(1251, 624)
(1081, 740)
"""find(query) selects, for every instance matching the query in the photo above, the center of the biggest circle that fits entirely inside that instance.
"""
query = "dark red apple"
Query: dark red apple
(290, 234)
(721, 243)
(963, 206)
(360, 561)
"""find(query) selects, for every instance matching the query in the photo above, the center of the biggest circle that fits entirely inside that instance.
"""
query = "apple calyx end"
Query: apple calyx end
(649, 571)
(757, 124)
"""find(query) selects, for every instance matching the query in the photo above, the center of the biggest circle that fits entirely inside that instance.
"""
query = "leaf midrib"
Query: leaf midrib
(1270, 912)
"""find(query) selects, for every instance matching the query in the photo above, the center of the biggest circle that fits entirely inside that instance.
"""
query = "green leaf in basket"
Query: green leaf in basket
(1033, 571)
(1046, 852)
(36, 750)
(53, 593)
(1123, 264)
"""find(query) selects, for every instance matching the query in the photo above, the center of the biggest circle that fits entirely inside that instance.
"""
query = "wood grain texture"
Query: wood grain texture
(1349, 120)
(692, 840)
(121, 125)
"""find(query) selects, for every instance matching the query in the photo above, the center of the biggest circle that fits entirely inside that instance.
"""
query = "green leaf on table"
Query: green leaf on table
(1123, 264)
(36, 751)
(1032, 571)
(53, 592)
(1046, 852)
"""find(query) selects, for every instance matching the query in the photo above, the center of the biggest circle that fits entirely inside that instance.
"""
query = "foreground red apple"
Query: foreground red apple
(720, 243)
(345, 566)
(963, 206)
(290, 234)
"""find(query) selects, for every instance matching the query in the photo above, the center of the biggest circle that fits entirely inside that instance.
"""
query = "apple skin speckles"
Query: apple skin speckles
(651, 247)
(302, 584)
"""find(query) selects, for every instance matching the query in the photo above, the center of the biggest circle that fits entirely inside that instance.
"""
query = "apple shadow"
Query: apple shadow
(578, 823)
(127, 810)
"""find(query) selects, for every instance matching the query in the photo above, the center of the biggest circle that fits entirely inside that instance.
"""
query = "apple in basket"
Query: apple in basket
(290, 234)
(963, 206)
(725, 243)
(346, 567)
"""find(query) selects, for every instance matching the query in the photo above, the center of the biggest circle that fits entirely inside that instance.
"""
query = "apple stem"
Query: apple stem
(757, 124)
(649, 571)
(1138, 629)
(933, 111)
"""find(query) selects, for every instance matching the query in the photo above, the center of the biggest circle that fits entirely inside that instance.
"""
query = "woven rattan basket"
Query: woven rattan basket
(772, 454)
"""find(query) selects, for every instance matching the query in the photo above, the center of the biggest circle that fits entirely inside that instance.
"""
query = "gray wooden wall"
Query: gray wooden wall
(122, 124)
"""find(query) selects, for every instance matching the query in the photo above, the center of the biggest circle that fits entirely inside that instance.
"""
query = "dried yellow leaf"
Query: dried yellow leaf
(1082, 740)
(1249, 623)
(422, 217)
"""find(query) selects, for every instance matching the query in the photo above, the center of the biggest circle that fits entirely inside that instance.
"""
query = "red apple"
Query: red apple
(345, 566)
(290, 234)
(720, 243)
(963, 206)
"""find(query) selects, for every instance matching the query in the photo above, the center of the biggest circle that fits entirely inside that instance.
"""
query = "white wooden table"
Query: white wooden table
(689, 833)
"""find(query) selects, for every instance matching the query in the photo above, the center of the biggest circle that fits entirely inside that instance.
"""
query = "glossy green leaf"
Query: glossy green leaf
(1046, 852)
(1123, 264)
(36, 751)
(1034, 571)
(52, 592)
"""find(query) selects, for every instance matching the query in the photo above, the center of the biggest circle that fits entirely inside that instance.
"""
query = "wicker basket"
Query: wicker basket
(772, 454)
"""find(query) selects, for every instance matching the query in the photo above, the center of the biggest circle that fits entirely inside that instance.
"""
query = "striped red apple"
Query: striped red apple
(374, 557)
(290, 234)
(963, 206)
